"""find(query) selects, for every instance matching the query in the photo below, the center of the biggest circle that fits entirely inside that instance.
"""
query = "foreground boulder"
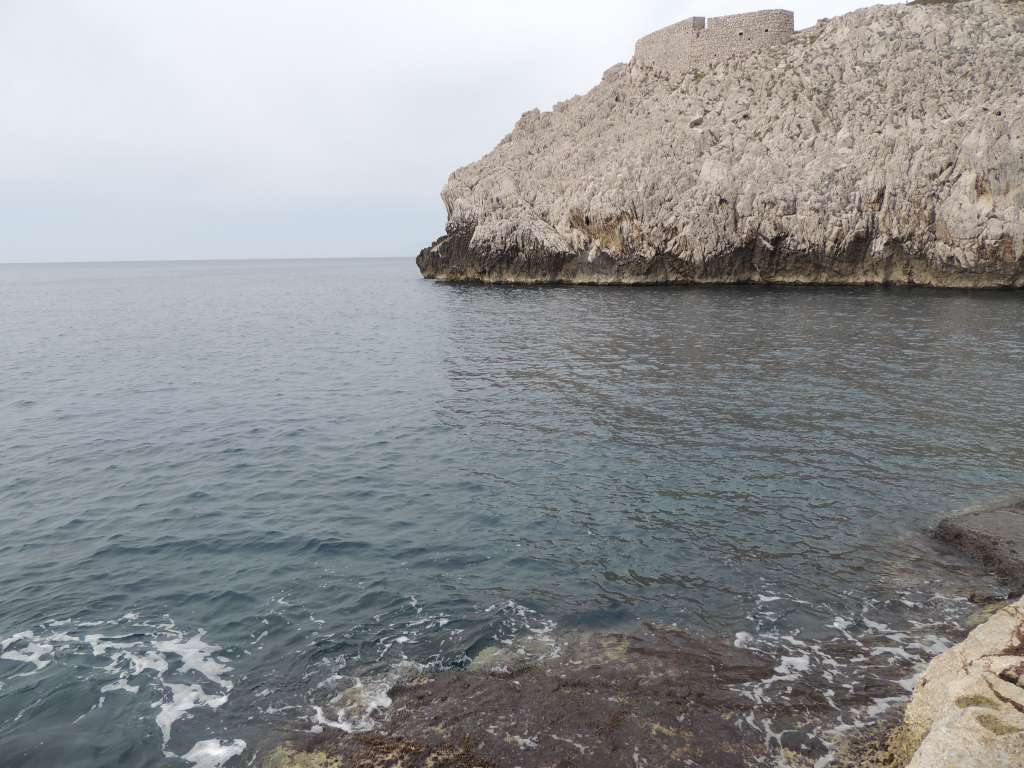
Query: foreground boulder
(968, 709)
(882, 147)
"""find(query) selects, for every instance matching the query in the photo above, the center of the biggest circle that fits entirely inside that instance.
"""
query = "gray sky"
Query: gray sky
(149, 129)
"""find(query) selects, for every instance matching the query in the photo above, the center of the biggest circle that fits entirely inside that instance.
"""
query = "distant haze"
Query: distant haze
(255, 129)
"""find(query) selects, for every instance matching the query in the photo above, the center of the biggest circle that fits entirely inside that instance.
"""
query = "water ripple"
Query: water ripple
(335, 469)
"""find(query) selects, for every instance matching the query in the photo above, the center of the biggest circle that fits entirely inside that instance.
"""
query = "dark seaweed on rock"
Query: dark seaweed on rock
(662, 697)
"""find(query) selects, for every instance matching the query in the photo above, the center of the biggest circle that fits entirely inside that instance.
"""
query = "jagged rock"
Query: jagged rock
(968, 709)
(884, 146)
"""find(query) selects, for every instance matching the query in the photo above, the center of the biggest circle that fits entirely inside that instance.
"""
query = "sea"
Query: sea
(234, 493)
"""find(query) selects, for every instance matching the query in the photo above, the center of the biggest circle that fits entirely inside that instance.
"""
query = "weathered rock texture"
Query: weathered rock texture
(885, 146)
(968, 709)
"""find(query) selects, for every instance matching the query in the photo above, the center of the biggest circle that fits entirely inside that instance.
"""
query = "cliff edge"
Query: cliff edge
(882, 147)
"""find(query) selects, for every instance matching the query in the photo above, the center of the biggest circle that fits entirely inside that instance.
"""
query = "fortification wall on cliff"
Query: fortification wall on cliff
(697, 43)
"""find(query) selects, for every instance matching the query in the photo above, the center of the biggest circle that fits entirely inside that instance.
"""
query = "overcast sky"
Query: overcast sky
(196, 129)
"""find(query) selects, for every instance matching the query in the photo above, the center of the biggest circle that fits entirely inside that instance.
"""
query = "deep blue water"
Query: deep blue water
(230, 490)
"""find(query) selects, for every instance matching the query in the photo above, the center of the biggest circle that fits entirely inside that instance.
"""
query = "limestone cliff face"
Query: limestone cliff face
(885, 146)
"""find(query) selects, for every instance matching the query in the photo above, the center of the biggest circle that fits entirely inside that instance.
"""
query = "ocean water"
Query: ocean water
(230, 492)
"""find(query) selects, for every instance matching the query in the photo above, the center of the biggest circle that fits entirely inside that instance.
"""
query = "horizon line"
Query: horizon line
(227, 259)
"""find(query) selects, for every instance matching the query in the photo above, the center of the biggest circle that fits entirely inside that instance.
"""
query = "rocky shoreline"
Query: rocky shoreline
(656, 698)
(665, 697)
(876, 148)
(967, 710)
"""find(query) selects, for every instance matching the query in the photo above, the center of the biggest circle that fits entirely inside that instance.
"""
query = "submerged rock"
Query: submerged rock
(884, 146)
(658, 698)
(994, 536)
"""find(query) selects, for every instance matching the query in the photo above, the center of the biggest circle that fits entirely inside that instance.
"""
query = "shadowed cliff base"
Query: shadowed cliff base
(453, 258)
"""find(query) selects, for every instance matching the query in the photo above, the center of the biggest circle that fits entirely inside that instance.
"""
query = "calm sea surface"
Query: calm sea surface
(230, 491)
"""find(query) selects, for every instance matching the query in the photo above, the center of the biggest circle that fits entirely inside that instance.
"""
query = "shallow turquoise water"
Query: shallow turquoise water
(229, 490)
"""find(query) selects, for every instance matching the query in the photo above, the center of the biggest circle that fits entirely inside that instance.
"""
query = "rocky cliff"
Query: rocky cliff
(885, 146)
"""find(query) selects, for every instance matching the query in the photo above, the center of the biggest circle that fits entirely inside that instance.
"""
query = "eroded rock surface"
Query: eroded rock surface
(968, 709)
(884, 146)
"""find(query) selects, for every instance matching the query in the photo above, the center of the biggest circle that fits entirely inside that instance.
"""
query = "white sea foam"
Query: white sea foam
(354, 702)
(897, 651)
(743, 640)
(356, 707)
(826, 665)
(524, 628)
(184, 669)
(197, 656)
(98, 705)
(120, 685)
(28, 648)
(841, 624)
(183, 699)
(321, 721)
(790, 667)
(213, 753)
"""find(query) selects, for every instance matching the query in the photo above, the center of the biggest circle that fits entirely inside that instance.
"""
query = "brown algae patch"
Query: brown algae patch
(995, 725)
(659, 697)
(965, 702)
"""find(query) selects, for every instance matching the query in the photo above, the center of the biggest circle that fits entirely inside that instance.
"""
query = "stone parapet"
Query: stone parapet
(697, 43)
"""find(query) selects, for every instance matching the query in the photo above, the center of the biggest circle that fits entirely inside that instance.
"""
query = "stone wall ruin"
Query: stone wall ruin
(697, 43)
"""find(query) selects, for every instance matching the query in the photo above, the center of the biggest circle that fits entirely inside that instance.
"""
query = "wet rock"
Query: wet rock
(967, 710)
(661, 697)
(509, 660)
(801, 744)
(372, 751)
(285, 757)
(994, 536)
(985, 613)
